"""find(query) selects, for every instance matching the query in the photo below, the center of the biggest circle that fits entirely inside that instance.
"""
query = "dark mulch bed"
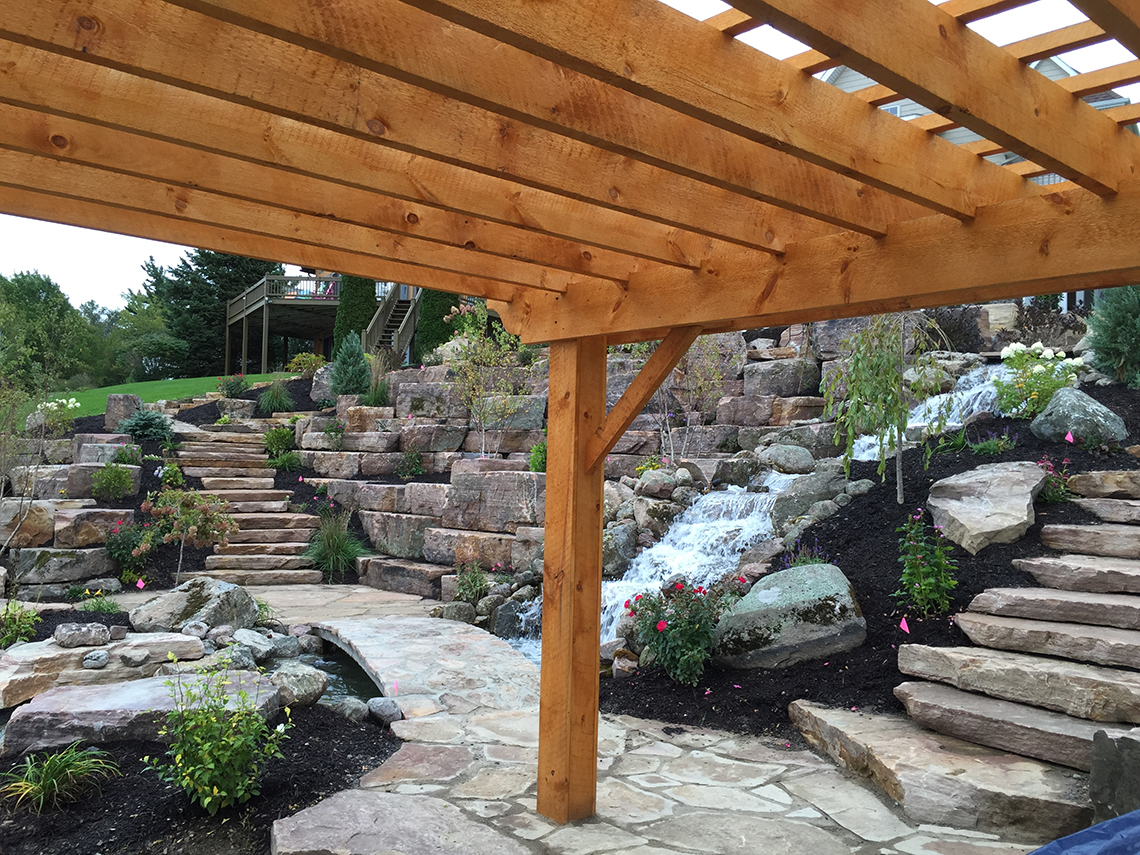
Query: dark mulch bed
(137, 813)
(861, 539)
(207, 414)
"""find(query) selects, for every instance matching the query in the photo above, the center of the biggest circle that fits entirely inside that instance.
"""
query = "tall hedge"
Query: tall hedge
(357, 306)
(431, 330)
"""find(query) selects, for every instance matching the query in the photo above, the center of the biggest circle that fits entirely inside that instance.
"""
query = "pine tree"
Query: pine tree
(350, 374)
(356, 308)
(1114, 333)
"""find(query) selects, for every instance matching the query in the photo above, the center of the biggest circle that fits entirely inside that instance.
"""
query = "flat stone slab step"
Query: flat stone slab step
(286, 548)
(212, 471)
(253, 495)
(224, 433)
(257, 562)
(259, 507)
(1084, 573)
(189, 449)
(261, 577)
(402, 575)
(214, 485)
(269, 535)
(217, 461)
(248, 521)
(1099, 645)
(1112, 484)
(1111, 539)
(1076, 689)
(941, 780)
(1018, 728)
(1120, 610)
(1112, 510)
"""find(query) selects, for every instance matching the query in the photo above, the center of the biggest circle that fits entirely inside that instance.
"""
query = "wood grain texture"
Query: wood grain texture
(572, 584)
(1121, 17)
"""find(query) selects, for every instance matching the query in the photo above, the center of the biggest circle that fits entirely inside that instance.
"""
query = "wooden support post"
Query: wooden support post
(244, 369)
(226, 364)
(572, 587)
(265, 338)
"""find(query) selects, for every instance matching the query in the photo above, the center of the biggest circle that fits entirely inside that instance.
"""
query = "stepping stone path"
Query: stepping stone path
(267, 549)
(464, 781)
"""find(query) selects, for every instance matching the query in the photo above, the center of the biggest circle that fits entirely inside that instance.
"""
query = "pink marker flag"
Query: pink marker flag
(1069, 436)
(904, 627)
(140, 584)
(395, 687)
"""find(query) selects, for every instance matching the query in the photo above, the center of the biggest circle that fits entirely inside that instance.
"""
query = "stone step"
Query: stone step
(261, 577)
(1020, 729)
(189, 448)
(236, 461)
(288, 547)
(1115, 484)
(259, 507)
(1112, 539)
(227, 472)
(1073, 688)
(402, 575)
(1120, 610)
(941, 780)
(252, 495)
(257, 562)
(1112, 510)
(1084, 573)
(1095, 644)
(294, 521)
(239, 434)
(216, 484)
(269, 535)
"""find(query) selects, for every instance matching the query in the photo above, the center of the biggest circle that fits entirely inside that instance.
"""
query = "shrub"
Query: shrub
(355, 310)
(928, 570)
(172, 477)
(472, 584)
(17, 623)
(59, 415)
(306, 364)
(276, 399)
(1114, 329)
(431, 329)
(1038, 372)
(111, 483)
(100, 604)
(218, 750)
(650, 461)
(128, 455)
(333, 549)
(958, 326)
(186, 516)
(336, 431)
(279, 440)
(1056, 487)
(224, 420)
(994, 443)
(123, 547)
(286, 461)
(147, 425)
(377, 396)
(801, 554)
(56, 779)
(411, 465)
(350, 373)
(233, 385)
(537, 459)
(678, 626)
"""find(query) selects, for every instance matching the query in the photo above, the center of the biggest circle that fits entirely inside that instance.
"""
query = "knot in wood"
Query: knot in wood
(376, 127)
(412, 218)
(59, 140)
(613, 193)
(87, 23)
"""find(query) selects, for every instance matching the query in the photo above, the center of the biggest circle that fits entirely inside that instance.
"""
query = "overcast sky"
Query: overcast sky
(91, 265)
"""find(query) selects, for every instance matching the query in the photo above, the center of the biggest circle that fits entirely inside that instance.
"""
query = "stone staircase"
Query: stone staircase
(1053, 664)
(267, 549)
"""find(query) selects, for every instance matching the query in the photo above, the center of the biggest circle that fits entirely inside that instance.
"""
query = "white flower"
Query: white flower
(1060, 354)
(1047, 353)
(1078, 360)
(1006, 352)
(1038, 369)
(1037, 347)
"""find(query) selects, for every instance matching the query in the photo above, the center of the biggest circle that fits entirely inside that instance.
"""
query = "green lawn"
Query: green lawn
(94, 401)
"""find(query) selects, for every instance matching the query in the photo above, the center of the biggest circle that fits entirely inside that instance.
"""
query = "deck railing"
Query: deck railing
(293, 288)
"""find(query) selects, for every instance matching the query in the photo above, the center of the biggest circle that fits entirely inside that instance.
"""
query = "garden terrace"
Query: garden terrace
(602, 172)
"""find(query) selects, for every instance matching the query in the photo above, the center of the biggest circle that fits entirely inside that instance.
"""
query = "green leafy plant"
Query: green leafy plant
(678, 626)
(52, 780)
(952, 443)
(306, 364)
(335, 431)
(333, 549)
(1114, 329)
(1056, 488)
(171, 476)
(377, 396)
(111, 483)
(122, 546)
(186, 516)
(650, 461)
(536, 460)
(472, 583)
(286, 461)
(350, 373)
(233, 385)
(265, 612)
(801, 554)
(994, 443)
(279, 440)
(325, 403)
(928, 570)
(17, 623)
(411, 465)
(322, 490)
(147, 425)
(1036, 374)
(276, 399)
(224, 420)
(218, 746)
(100, 604)
(128, 455)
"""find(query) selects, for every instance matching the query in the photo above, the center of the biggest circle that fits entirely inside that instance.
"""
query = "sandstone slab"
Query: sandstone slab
(449, 546)
(784, 378)
(429, 400)
(508, 441)
(1111, 539)
(419, 762)
(704, 440)
(336, 464)
(47, 565)
(210, 601)
(374, 442)
(1120, 610)
(26, 523)
(1114, 784)
(797, 408)
(1076, 689)
(432, 438)
(402, 575)
(120, 407)
(744, 411)
(401, 535)
(989, 504)
(429, 500)
(945, 781)
(497, 501)
(38, 482)
(80, 479)
(1112, 484)
(80, 527)
(1112, 510)
(1084, 573)
(361, 496)
(1098, 645)
(728, 832)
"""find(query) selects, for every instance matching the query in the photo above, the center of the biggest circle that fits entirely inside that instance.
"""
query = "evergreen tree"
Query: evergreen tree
(356, 308)
(193, 296)
(1114, 334)
(431, 328)
(350, 373)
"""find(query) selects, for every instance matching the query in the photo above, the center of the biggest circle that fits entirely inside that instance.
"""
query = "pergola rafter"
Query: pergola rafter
(602, 171)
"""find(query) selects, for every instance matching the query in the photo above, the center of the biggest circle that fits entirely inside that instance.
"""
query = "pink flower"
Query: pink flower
(661, 624)
(627, 604)
(741, 580)
(638, 597)
(678, 586)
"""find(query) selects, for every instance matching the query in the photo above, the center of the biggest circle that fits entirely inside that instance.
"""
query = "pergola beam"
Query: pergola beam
(925, 54)
(1120, 17)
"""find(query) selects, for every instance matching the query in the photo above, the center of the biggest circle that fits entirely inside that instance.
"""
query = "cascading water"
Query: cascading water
(974, 393)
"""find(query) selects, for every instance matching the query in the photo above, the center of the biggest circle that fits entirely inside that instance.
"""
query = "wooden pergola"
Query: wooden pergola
(602, 171)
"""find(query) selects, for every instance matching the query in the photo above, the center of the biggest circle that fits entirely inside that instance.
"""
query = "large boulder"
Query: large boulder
(300, 685)
(743, 411)
(824, 484)
(40, 566)
(818, 438)
(797, 614)
(792, 459)
(619, 547)
(495, 501)
(656, 483)
(784, 378)
(429, 400)
(432, 438)
(1071, 410)
(120, 407)
(515, 412)
(81, 527)
(656, 515)
(989, 504)
(737, 470)
(211, 601)
(321, 389)
(27, 523)
(614, 495)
